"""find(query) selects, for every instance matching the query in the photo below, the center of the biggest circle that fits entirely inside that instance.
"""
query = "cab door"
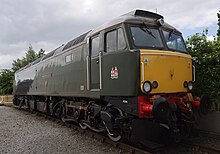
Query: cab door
(95, 63)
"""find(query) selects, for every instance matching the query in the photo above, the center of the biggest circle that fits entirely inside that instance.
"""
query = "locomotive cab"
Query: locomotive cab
(144, 70)
(166, 75)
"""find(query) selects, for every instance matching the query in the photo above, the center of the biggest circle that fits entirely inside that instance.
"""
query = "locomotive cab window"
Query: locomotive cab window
(174, 41)
(121, 40)
(145, 37)
(114, 40)
(95, 46)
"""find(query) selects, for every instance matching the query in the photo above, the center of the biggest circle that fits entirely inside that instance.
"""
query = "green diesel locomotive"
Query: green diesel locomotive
(126, 77)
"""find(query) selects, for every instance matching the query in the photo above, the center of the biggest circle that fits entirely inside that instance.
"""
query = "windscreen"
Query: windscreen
(146, 37)
(174, 41)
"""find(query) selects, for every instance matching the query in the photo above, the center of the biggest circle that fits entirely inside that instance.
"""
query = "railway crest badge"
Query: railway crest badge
(114, 73)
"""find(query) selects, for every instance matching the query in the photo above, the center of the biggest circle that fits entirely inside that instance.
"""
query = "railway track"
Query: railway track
(126, 148)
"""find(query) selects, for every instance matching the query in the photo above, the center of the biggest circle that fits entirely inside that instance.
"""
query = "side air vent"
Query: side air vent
(75, 41)
(48, 55)
(36, 61)
(59, 49)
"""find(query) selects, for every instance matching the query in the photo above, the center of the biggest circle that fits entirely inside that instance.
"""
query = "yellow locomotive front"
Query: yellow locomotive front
(166, 74)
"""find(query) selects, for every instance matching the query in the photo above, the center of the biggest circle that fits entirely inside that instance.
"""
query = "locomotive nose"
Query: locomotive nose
(169, 69)
(161, 110)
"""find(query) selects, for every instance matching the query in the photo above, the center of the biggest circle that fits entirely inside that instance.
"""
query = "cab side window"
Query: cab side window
(114, 40)
(95, 46)
(111, 41)
(121, 39)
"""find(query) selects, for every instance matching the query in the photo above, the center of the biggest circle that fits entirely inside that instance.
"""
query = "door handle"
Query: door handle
(97, 61)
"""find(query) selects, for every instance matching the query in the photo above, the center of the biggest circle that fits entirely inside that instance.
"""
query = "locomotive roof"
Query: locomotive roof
(136, 16)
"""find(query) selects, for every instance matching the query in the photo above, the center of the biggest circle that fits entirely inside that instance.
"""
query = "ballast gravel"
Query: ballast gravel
(25, 133)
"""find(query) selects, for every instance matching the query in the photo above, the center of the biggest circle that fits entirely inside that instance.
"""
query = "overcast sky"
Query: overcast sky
(49, 23)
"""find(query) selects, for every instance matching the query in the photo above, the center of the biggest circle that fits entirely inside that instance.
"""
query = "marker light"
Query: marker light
(155, 84)
(190, 85)
(185, 84)
(147, 86)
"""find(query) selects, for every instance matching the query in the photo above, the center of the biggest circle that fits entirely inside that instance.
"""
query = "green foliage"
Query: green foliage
(30, 56)
(6, 82)
(206, 58)
(7, 76)
(218, 32)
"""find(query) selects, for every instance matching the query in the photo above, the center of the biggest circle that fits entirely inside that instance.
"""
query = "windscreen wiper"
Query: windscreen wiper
(146, 29)
(171, 32)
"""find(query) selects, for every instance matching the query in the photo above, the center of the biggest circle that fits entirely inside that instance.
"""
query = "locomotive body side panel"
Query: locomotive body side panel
(61, 75)
(67, 77)
(23, 81)
(125, 82)
(120, 65)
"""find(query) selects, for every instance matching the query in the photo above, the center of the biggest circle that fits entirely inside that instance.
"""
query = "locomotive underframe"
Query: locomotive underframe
(119, 117)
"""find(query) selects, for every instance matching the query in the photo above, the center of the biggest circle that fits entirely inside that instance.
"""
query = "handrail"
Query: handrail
(87, 73)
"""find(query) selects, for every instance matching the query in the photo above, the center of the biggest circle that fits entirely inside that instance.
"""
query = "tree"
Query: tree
(6, 82)
(206, 58)
(7, 76)
(30, 56)
(218, 31)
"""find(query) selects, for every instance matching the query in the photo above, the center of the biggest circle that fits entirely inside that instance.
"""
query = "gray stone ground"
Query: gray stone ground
(209, 122)
(26, 133)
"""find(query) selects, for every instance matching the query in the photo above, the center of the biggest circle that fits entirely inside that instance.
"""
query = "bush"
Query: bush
(206, 59)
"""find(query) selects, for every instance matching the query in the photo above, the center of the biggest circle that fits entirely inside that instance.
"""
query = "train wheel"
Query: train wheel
(81, 118)
(57, 110)
(115, 134)
(15, 101)
(21, 102)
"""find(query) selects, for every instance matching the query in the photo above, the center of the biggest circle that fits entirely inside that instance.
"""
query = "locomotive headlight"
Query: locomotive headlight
(161, 21)
(147, 86)
(190, 85)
